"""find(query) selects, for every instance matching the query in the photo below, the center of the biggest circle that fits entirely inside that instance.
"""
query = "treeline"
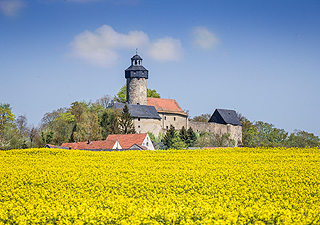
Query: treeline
(81, 121)
(84, 121)
(262, 134)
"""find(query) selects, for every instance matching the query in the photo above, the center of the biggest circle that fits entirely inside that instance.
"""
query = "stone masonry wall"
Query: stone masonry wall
(176, 120)
(234, 131)
(137, 91)
(147, 125)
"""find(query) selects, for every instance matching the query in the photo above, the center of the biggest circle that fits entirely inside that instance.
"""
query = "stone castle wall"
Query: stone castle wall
(137, 91)
(176, 120)
(220, 129)
(147, 125)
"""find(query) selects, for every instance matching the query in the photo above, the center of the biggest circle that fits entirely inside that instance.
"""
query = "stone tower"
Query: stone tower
(136, 76)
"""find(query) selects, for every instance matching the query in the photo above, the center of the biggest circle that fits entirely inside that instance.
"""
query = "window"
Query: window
(165, 117)
(167, 127)
(174, 118)
(147, 143)
(138, 119)
(138, 126)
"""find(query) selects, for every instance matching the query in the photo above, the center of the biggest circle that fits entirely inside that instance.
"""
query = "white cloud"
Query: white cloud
(166, 49)
(204, 38)
(11, 7)
(102, 46)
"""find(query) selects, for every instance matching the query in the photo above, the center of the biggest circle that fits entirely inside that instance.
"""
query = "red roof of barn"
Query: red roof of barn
(107, 144)
(165, 105)
(127, 140)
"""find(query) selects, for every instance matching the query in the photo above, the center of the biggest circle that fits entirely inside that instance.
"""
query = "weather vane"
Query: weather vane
(136, 51)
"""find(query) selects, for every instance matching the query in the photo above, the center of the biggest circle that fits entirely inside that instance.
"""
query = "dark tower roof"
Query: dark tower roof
(136, 57)
(225, 116)
(136, 70)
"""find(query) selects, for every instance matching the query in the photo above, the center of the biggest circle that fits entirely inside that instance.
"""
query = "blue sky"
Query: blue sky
(260, 58)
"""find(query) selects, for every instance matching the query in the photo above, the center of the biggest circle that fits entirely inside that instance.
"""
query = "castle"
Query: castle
(156, 115)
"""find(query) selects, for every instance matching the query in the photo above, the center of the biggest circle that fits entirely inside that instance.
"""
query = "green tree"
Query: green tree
(249, 132)
(207, 139)
(109, 122)
(7, 118)
(8, 132)
(167, 139)
(177, 143)
(204, 140)
(62, 128)
(88, 127)
(122, 94)
(125, 122)
(192, 137)
(269, 136)
(183, 135)
(303, 139)
(152, 93)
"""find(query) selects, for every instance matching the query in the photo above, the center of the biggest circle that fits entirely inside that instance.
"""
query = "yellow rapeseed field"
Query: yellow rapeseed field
(214, 186)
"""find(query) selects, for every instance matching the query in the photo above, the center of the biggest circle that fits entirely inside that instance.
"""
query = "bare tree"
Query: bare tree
(22, 124)
(104, 101)
(33, 134)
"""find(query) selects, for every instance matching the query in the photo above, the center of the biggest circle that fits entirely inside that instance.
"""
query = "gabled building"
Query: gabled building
(128, 141)
(93, 145)
(145, 118)
(170, 113)
(225, 116)
(221, 122)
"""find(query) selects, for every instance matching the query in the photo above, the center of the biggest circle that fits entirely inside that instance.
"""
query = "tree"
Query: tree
(109, 122)
(7, 118)
(167, 139)
(125, 122)
(192, 137)
(208, 139)
(302, 139)
(22, 126)
(87, 127)
(33, 133)
(152, 93)
(122, 94)
(8, 131)
(183, 134)
(104, 101)
(249, 132)
(177, 143)
(201, 118)
(62, 128)
(269, 136)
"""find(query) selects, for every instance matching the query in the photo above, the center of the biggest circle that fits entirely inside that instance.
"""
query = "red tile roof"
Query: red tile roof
(165, 105)
(107, 144)
(127, 140)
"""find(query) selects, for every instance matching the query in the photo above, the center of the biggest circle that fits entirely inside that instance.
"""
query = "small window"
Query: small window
(167, 127)
(138, 126)
(174, 118)
(138, 119)
(165, 118)
(147, 143)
